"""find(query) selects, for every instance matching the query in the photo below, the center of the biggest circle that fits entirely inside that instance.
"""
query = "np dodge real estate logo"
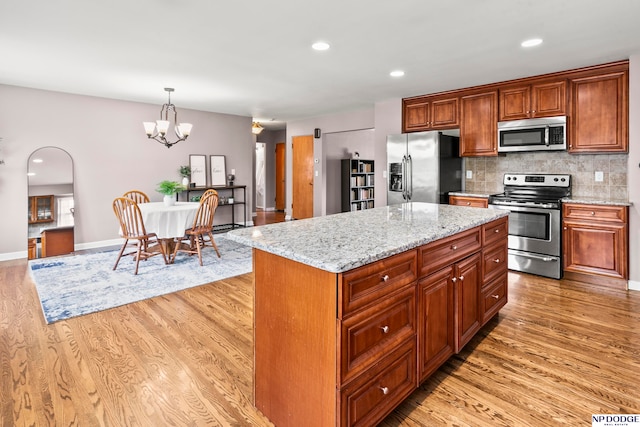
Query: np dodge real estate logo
(615, 420)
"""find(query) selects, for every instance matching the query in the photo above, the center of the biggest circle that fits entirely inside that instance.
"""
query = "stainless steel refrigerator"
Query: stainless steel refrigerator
(423, 167)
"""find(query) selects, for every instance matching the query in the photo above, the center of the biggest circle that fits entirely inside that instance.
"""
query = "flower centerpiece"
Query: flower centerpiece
(185, 173)
(170, 189)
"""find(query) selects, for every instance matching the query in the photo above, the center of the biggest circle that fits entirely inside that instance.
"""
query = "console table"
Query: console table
(225, 193)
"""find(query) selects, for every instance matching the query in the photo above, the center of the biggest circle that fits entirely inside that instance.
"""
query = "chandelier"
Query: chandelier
(256, 128)
(158, 130)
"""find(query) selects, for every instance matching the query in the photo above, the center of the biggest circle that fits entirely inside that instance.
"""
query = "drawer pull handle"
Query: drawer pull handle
(385, 278)
(385, 329)
(497, 260)
(462, 278)
(454, 279)
(385, 390)
(497, 230)
(592, 213)
(495, 296)
(454, 247)
(468, 203)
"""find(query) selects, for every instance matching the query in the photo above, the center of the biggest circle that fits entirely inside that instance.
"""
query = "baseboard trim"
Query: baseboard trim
(633, 285)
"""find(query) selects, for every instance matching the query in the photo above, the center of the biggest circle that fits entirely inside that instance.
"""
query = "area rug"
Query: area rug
(70, 286)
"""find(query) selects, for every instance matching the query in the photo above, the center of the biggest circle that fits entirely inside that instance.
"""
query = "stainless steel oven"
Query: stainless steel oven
(534, 205)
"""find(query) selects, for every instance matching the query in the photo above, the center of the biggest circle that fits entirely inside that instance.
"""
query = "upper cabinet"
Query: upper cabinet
(427, 113)
(41, 209)
(599, 113)
(533, 101)
(478, 124)
(594, 99)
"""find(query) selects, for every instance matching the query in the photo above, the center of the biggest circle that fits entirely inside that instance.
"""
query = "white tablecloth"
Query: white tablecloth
(168, 221)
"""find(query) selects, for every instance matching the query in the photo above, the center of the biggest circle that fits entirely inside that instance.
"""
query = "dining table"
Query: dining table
(168, 222)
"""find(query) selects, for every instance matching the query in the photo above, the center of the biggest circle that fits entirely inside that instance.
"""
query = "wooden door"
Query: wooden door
(302, 203)
(280, 175)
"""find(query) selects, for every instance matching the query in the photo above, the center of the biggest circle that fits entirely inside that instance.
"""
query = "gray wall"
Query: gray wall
(338, 146)
(110, 152)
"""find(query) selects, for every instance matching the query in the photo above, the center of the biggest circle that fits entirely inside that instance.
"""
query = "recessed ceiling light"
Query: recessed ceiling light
(320, 46)
(31, 174)
(396, 73)
(531, 42)
(37, 160)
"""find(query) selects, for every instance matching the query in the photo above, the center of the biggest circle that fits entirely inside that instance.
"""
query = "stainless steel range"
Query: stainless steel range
(534, 205)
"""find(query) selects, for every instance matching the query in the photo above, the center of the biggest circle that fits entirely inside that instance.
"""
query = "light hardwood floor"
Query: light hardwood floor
(557, 353)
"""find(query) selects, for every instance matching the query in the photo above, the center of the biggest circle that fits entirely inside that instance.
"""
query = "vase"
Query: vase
(185, 181)
(169, 200)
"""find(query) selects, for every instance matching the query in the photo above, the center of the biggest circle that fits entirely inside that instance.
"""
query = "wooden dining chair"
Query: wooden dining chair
(208, 193)
(137, 196)
(132, 228)
(200, 235)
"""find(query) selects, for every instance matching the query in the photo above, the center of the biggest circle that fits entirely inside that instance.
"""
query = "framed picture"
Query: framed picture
(218, 170)
(198, 164)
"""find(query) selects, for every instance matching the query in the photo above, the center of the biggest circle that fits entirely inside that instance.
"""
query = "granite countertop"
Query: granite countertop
(594, 201)
(341, 242)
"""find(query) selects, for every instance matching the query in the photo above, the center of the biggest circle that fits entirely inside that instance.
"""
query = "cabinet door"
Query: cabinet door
(444, 113)
(599, 114)
(479, 124)
(416, 116)
(549, 99)
(467, 279)
(515, 103)
(596, 248)
(436, 333)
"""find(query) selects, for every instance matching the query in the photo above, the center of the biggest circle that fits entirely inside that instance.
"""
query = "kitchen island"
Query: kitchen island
(353, 311)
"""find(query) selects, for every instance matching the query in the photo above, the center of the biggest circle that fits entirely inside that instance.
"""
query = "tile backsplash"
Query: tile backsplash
(487, 172)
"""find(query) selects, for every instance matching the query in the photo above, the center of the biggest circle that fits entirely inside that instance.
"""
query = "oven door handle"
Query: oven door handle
(521, 209)
(534, 256)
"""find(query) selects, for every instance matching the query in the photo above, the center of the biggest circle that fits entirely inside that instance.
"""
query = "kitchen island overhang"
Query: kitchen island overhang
(353, 311)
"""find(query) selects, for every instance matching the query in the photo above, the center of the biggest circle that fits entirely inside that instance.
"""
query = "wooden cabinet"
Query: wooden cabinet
(494, 291)
(478, 124)
(57, 241)
(595, 239)
(533, 101)
(358, 190)
(32, 248)
(429, 113)
(595, 100)
(41, 209)
(356, 344)
(599, 113)
(476, 202)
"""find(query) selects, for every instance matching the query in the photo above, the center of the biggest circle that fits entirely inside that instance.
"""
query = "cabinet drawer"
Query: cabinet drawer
(595, 212)
(495, 230)
(368, 399)
(494, 297)
(476, 202)
(494, 260)
(370, 334)
(375, 281)
(433, 256)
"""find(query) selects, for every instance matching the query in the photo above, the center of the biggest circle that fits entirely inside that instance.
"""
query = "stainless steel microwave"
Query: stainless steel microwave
(545, 134)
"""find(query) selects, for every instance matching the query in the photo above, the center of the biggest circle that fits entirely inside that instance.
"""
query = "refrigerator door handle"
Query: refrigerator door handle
(404, 177)
(409, 177)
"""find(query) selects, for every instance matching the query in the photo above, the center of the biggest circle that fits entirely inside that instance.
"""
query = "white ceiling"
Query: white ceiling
(254, 58)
